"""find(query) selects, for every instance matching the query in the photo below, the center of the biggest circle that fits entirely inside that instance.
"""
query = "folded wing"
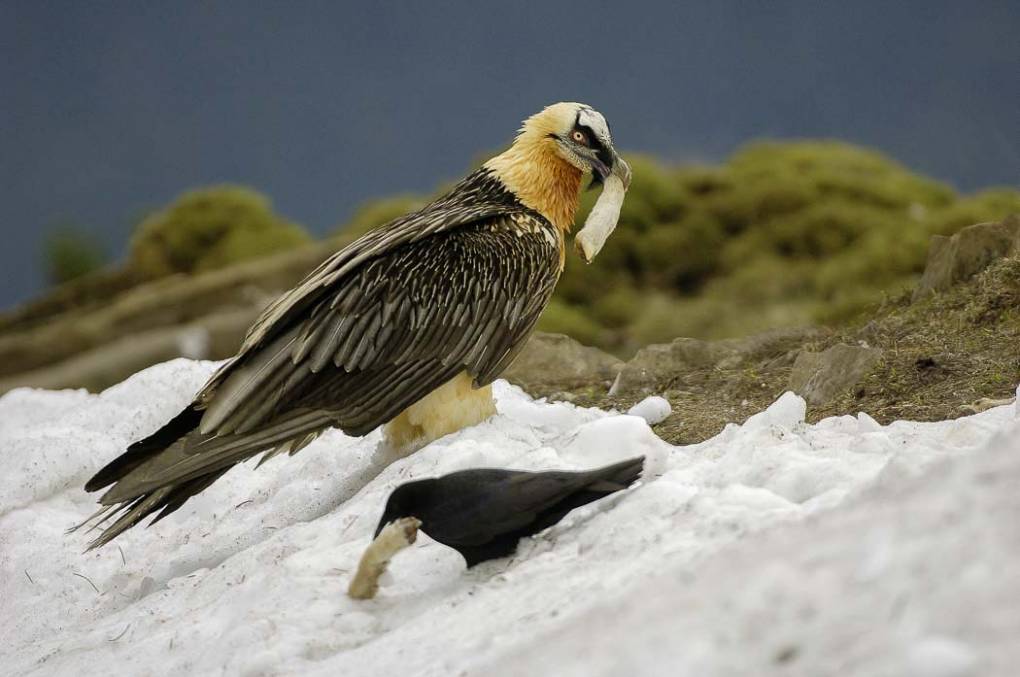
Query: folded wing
(451, 289)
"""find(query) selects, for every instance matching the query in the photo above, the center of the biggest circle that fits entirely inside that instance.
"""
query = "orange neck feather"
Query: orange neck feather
(533, 170)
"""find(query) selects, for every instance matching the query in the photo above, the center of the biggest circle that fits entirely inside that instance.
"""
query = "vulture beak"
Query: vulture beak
(602, 167)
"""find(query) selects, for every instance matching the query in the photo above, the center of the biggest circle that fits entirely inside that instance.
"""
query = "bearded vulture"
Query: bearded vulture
(405, 328)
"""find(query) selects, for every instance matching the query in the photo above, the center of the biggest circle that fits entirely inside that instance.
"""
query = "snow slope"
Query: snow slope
(777, 547)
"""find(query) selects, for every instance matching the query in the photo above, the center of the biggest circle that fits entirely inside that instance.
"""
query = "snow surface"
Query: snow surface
(776, 547)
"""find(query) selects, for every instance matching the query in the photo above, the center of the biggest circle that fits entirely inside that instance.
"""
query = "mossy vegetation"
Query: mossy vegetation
(784, 233)
(206, 229)
(211, 228)
(70, 253)
(375, 213)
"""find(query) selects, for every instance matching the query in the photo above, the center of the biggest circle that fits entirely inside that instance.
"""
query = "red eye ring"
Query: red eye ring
(579, 137)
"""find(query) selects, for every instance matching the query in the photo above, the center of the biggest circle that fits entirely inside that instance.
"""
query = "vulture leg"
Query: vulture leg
(453, 406)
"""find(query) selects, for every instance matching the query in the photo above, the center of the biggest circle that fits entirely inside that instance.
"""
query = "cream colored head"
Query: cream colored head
(579, 133)
(554, 149)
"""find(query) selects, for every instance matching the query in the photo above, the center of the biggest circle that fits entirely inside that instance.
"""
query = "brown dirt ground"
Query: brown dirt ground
(940, 357)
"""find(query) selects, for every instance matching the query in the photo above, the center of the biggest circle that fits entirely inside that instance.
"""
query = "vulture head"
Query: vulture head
(575, 136)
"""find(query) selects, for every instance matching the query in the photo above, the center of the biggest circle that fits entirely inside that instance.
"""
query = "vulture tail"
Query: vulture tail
(161, 472)
(143, 450)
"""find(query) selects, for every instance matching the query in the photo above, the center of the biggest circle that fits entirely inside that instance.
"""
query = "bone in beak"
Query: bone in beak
(392, 539)
(603, 217)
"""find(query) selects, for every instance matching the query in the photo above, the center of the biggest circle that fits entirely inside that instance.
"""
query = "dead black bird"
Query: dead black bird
(483, 513)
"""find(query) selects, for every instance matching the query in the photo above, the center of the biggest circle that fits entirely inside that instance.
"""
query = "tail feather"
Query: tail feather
(617, 476)
(185, 490)
(167, 500)
(160, 473)
(597, 484)
(133, 512)
(145, 449)
(196, 455)
(100, 516)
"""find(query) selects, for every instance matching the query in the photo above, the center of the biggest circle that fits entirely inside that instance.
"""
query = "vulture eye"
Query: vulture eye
(579, 137)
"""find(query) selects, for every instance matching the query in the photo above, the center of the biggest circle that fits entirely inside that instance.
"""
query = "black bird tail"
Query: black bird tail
(617, 476)
(595, 484)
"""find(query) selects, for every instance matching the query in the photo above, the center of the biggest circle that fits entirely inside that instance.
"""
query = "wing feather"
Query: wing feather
(371, 342)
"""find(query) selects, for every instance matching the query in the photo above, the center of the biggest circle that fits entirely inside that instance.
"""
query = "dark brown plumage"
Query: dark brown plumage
(453, 289)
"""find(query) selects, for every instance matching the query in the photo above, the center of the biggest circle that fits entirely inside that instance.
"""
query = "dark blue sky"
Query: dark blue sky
(110, 109)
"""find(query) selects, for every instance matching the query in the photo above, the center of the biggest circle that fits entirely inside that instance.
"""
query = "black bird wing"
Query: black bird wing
(481, 506)
(455, 287)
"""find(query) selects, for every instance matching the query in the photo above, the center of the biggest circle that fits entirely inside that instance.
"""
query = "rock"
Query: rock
(558, 361)
(819, 377)
(659, 362)
(954, 259)
(657, 365)
(986, 403)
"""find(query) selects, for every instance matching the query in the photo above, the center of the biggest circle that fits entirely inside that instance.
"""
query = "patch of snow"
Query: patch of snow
(840, 547)
(786, 412)
(941, 657)
(612, 438)
(653, 409)
(868, 424)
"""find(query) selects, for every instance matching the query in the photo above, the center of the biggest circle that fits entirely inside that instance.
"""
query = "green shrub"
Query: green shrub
(70, 253)
(211, 228)
(987, 205)
(375, 213)
(784, 233)
(563, 318)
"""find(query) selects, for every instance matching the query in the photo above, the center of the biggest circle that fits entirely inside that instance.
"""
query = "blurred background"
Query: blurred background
(167, 169)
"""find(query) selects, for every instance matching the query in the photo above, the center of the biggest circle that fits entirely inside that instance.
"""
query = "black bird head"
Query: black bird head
(403, 502)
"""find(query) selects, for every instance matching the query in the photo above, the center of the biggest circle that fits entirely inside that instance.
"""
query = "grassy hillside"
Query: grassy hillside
(781, 234)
